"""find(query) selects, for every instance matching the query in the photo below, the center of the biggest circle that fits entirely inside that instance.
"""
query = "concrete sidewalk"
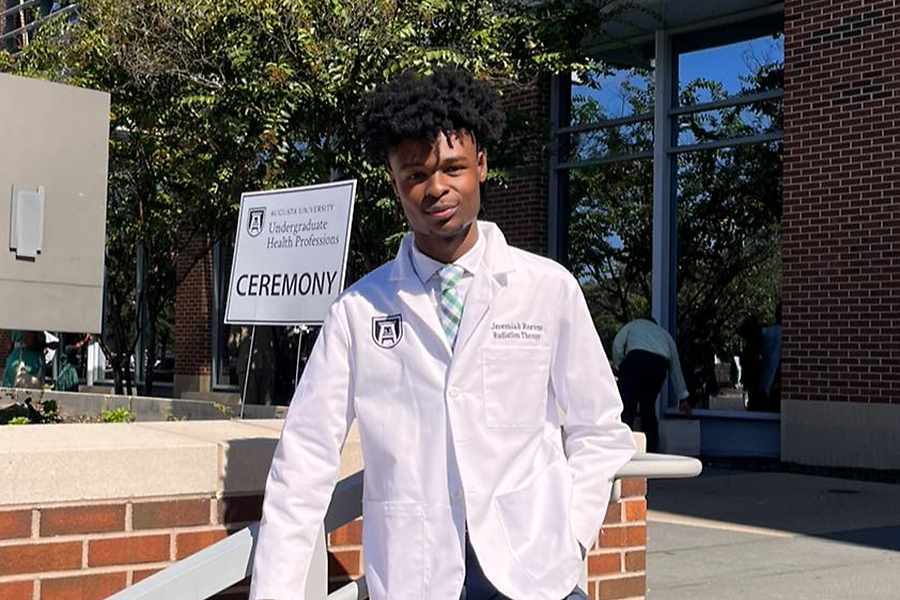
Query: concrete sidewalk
(764, 536)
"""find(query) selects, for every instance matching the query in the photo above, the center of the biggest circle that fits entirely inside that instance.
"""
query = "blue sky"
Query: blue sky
(725, 64)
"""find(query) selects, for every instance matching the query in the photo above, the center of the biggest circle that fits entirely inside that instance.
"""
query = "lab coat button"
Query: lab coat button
(457, 494)
(454, 392)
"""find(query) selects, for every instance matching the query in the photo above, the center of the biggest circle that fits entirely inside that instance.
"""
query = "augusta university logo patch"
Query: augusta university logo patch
(387, 331)
(255, 221)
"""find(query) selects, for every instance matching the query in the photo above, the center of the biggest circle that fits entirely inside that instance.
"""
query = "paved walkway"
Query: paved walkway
(735, 535)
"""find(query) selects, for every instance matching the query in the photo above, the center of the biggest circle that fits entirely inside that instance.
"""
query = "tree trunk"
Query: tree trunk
(150, 369)
(117, 376)
(128, 382)
(114, 360)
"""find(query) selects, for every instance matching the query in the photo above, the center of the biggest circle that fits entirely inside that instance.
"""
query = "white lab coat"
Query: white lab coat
(468, 439)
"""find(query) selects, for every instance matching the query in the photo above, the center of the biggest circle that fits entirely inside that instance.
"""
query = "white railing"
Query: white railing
(229, 561)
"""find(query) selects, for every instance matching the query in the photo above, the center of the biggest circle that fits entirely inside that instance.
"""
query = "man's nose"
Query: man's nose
(437, 186)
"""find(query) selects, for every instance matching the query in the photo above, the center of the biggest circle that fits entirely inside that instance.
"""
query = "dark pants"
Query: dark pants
(641, 376)
(477, 587)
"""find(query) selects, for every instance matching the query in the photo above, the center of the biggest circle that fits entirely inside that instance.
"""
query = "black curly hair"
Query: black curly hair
(413, 106)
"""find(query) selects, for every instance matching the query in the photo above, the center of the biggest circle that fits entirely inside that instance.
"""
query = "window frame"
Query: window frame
(668, 45)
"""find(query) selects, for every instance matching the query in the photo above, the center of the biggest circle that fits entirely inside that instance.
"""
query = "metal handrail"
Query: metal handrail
(17, 8)
(660, 466)
(229, 561)
(12, 33)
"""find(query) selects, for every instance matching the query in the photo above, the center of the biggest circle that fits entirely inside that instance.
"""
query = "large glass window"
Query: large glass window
(605, 174)
(728, 193)
(722, 179)
(610, 241)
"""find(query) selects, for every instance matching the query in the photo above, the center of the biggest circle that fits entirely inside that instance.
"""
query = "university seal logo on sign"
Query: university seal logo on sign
(255, 221)
(387, 331)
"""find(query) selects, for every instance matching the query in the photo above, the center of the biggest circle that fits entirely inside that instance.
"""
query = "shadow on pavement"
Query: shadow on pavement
(777, 503)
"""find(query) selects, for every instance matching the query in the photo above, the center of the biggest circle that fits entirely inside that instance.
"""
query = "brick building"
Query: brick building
(814, 87)
(842, 233)
(778, 123)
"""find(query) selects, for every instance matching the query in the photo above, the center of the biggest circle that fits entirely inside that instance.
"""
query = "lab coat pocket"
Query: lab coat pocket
(536, 522)
(394, 544)
(515, 386)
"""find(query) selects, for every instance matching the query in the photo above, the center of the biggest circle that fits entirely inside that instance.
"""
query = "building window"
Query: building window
(728, 162)
(603, 175)
(692, 136)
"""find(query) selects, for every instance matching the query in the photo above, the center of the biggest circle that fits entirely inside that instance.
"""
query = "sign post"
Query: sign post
(290, 257)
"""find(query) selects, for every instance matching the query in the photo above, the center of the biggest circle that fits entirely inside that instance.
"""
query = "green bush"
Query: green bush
(117, 415)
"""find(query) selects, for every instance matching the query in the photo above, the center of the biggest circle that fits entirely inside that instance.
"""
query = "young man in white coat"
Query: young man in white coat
(456, 359)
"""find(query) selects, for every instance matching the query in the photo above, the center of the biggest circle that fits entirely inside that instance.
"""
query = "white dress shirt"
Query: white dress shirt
(426, 268)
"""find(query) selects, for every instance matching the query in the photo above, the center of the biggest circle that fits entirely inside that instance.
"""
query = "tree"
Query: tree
(211, 98)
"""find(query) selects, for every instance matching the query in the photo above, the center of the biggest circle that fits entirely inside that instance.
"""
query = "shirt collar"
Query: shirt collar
(426, 267)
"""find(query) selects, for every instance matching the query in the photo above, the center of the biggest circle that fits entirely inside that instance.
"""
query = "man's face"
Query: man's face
(438, 187)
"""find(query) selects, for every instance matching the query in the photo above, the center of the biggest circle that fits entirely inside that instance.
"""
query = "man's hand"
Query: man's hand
(685, 407)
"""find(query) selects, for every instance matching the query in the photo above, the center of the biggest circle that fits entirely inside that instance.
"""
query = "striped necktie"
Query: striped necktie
(451, 305)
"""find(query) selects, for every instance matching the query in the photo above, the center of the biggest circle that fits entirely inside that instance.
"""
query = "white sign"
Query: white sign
(290, 254)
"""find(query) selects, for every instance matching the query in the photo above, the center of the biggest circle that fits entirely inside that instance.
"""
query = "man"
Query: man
(456, 359)
(643, 352)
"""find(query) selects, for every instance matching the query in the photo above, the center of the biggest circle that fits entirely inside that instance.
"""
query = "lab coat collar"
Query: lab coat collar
(427, 267)
(496, 259)
(489, 278)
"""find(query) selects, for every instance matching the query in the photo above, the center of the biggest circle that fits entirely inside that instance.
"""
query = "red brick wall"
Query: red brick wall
(520, 206)
(617, 563)
(841, 207)
(193, 311)
(90, 551)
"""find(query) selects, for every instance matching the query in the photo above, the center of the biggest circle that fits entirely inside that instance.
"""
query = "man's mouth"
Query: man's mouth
(442, 212)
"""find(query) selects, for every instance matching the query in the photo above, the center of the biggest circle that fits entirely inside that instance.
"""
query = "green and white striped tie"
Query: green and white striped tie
(451, 305)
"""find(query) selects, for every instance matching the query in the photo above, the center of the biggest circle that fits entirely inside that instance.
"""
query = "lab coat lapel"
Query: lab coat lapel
(412, 294)
(488, 281)
(481, 294)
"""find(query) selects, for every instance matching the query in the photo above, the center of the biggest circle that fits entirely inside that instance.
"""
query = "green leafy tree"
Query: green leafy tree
(211, 98)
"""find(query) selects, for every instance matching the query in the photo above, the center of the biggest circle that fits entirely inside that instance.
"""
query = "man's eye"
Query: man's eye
(416, 176)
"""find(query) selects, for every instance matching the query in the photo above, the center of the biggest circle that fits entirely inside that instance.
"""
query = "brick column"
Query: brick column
(617, 563)
(841, 223)
(520, 207)
(193, 320)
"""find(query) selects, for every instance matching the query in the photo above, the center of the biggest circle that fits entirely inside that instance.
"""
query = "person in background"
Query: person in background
(770, 368)
(25, 364)
(643, 353)
(752, 363)
(67, 380)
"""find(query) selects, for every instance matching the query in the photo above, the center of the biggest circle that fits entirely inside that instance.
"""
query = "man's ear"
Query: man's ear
(481, 164)
(387, 167)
